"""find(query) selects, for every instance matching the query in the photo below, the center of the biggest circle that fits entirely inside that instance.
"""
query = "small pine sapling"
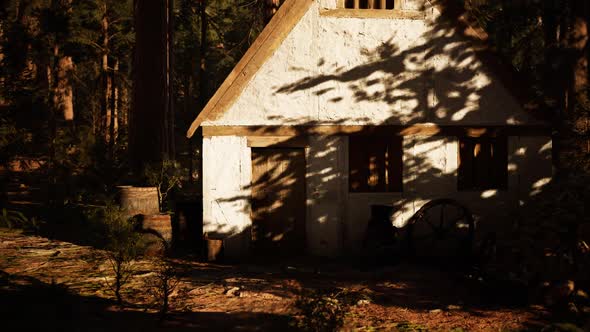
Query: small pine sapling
(163, 284)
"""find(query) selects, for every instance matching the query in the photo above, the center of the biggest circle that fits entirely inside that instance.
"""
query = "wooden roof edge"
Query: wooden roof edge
(271, 37)
(291, 12)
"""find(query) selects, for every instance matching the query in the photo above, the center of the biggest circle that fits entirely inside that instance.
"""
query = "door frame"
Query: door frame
(283, 142)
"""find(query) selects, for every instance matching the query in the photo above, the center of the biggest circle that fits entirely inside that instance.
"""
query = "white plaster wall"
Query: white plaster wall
(412, 4)
(370, 71)
(326, 194)
(430, 168)
(430, 164)
(362, 71)
(227, 174)
(328, 4)
(336, 219)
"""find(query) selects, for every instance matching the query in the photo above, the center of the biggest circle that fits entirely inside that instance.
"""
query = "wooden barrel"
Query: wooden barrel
(139, 200)
(159, 223)
(156, 234)
(214, 249)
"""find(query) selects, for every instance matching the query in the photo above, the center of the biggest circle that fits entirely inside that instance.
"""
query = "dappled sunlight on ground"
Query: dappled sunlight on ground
(240, 297)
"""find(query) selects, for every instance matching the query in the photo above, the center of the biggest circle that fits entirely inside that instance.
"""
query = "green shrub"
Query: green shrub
(165, 177)
(122, 247)
(320, 311)
(16, 219)
(162, 284)
(411, 327)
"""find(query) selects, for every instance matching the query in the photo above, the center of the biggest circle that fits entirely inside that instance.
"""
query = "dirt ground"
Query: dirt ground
(61, 286)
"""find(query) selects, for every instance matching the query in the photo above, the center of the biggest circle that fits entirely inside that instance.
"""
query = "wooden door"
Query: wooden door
(278, 201)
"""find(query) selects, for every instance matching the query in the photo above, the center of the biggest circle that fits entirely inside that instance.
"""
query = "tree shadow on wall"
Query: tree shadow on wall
(443, 77)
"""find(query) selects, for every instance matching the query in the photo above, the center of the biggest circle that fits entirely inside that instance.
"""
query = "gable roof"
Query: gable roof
(292, 11)
(275, 32)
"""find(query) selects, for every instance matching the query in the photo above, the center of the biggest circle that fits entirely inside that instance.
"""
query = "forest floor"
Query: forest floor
(61, 286)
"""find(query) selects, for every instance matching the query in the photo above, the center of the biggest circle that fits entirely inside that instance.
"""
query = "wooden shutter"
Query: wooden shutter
(500, 162)
(375, 163)
(358, 172)
(395, 167)
(483, 163)
(465, 176)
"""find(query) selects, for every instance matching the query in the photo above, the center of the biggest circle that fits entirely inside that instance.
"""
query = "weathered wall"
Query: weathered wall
(336, 219)
(369, 71)
(227, 174)
(430, 172)
(326, 194)
(375, 71)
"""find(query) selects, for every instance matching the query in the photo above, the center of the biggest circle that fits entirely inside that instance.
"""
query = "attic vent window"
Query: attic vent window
(369, 4)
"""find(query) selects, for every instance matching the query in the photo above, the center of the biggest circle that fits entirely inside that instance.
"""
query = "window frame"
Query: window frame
(395, 4)
(498, 169)
(391, 169)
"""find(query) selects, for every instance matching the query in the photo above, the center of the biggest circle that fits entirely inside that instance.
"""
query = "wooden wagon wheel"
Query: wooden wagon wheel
(443, 229)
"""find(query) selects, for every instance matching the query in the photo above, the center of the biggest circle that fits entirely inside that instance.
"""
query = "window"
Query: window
(483, 163)
(369, 4)
(375, 164)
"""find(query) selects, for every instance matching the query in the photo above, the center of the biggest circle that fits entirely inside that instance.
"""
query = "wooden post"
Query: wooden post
(370, 4)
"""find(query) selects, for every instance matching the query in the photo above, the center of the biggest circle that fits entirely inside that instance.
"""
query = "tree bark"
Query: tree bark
(580, 42)
(148, 121)
(114, 99)
(63, 95)
(104, 76)
(169, 28)
(203, 86)
(203, 83)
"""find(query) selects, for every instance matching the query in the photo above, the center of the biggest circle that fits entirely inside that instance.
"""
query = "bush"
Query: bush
(320, 311)
(550, 229)
(165, 177)
(162, 284)
(16, 219)
(122, 247)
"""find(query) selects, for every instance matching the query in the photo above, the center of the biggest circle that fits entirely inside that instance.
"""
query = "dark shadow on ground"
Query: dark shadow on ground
(29, 304)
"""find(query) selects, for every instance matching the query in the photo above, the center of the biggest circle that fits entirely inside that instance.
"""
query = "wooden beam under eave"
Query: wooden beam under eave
(278, 141)
(374, 13)
(400, 130)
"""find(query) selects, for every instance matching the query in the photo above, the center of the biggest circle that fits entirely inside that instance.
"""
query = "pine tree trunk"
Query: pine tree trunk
(123, 106)
(148, 121)
(579, 42)
(169, 28)
(203, 86)
(105, 104)
(114, 99)
(63, 95)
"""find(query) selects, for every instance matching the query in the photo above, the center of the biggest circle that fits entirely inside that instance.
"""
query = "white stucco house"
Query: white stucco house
(337, 106)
